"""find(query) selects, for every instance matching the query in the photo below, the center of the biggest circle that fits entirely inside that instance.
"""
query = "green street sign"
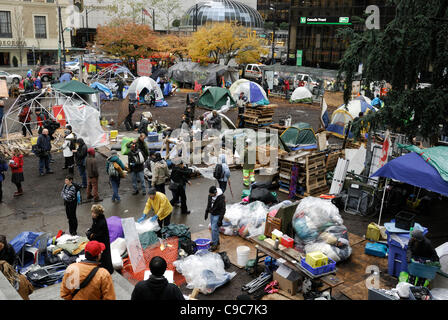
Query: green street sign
(302, 19)
(299, 57)
(344, 19)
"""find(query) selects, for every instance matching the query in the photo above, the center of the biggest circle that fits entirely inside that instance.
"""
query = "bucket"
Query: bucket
(242, 253)
(202, 244)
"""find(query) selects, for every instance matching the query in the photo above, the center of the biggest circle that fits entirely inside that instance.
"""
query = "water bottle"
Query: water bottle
(276, 244)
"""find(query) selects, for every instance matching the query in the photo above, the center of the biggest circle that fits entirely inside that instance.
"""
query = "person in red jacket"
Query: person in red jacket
(25, 119)
(16, 164)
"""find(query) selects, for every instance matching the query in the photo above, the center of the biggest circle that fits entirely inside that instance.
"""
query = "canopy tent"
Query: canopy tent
(209, 75)
(64, 108)
(142, 87)
(252, 90)
(414, 170)
(214, 98)
(342, 115)
(299, 136)
(88, 94)
(107, 93)
(301, 95)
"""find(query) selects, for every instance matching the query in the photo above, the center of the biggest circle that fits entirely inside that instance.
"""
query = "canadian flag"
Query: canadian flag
(385, 150)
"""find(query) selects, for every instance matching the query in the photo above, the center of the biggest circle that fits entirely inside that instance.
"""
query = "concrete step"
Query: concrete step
(7, 291)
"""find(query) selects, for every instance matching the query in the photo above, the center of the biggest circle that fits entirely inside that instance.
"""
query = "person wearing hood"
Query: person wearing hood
(223, 172)
(67, 150)
(160, 174)
(136, 162)
(92, 176)
(114, 174)
(7, 252)
(216, 207)
(215, 121)
(99, 231)
(16, 165)
(80, 160)
(157, 286)
(128, 121)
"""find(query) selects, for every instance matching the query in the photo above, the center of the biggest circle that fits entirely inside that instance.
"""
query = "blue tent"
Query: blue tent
(66, 77)
(414, 170)
(101, 87)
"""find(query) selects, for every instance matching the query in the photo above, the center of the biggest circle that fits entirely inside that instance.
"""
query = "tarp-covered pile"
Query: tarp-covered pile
(210, 75)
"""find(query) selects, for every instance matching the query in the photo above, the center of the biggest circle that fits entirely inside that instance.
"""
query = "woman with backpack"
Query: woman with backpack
(114, 169)
(222, 172)
(16, 165)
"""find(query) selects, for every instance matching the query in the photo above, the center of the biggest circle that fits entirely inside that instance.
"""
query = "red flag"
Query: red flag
(385, 150)
(59, 114)
(145, 12)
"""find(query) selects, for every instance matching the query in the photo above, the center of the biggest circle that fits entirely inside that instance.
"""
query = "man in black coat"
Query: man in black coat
(180, 176)
(128, 121)
(157, 286)
(44, 147)
(216, 206)
(81, 160)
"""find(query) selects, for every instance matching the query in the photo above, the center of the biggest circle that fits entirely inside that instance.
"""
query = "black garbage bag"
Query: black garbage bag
(263, 195)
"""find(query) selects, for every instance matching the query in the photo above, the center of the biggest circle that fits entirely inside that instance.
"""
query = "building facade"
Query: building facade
(29, 32)
(313, 26)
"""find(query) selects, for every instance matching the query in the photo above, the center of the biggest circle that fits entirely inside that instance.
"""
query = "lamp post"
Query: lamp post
(273, 7)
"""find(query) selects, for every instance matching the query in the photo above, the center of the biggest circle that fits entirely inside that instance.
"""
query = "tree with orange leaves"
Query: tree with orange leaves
(227, 41)
(127, 40)
(174, 44)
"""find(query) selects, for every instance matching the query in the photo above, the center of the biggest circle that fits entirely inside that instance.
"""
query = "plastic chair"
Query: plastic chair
(35, 251)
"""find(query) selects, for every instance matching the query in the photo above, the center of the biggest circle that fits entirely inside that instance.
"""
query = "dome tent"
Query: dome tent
(214, 98)
(252, 90)
(299, 136)
(142, 86)
(342, 115)
(301, 95)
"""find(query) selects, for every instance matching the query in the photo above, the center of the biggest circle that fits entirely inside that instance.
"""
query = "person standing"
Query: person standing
(128, 121)
(69, 194)
(28, 84)
(37, 83)
(142, 145)
(216, 207)
(180, 176)
(160, 174)
(25, 119)
(80, 160)
(99, 231)
(241, 103)
(44, 148)
(136, 166)
(2, 107)
(157, 286)
(3, 169)
(92, 176)
(99, 287)
(215, 121)
(161, 206)
(41, 117)
(114, 167)
(16, 165)
(248, 166)
(67, 149)
(120, 87)
(222, 172)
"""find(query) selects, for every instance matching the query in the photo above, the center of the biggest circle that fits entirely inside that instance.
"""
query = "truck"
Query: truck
(253, 72)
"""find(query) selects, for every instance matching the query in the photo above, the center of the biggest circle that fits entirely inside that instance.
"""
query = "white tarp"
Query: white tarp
(85, 122)
(301, 93)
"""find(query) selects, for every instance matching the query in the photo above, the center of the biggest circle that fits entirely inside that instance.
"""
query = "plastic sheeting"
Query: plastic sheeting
(84, 120)
(203, 270)
(147, 225)
(191, 72)
(248, 220)
(133, 245)
(333, 242)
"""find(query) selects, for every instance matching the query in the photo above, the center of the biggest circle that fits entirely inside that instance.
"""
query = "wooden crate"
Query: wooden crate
(332, 159)
(271, 224)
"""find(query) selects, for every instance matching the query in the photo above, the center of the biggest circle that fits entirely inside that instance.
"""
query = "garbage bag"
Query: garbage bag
(115, 228)
(248, 219)
(120, 245)
(440, 293)
(117, 262)
(204, 270)
(312, 216)
(333, 242)
(263, 195)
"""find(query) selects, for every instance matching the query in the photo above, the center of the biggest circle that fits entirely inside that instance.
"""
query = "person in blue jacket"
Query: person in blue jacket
(114, 174)
(225, 172)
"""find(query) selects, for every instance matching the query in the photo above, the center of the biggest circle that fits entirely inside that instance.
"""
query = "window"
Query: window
(5, 24)
(40, 27)
(50, 1)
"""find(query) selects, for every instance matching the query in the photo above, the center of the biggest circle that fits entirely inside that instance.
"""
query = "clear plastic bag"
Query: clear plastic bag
(440, 293)
(312, 216)
(248, 219)
(147, 225)
(203, 270)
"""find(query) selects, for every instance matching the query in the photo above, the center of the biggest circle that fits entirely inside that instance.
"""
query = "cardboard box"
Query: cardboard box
(290, 283)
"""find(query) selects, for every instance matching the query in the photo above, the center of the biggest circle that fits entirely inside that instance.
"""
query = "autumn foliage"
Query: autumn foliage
(225, 41)
(176, 45)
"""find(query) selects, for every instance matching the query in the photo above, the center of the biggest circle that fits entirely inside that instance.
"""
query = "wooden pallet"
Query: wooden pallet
(332, 159)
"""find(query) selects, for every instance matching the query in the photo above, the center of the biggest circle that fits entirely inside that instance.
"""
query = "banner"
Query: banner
(385, 150)
(144, 67)
(59, 114)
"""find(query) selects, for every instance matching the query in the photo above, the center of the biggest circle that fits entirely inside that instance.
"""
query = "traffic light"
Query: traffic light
(79, 4)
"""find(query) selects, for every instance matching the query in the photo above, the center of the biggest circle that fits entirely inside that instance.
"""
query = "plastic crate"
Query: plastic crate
(331, 266)
(404, 220)
(202, 244)
(316, 259)
(422, 270)
(153, 137)
(412, 290)
(396, 261)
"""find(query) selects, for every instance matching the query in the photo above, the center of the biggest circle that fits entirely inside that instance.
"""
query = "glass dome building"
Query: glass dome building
(222, 11)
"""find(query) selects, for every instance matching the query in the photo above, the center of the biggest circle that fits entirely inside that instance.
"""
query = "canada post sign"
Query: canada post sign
(325, 20)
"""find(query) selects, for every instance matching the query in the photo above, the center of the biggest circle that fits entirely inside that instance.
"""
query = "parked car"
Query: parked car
(47, 73)
(253, 72)
(10, 77)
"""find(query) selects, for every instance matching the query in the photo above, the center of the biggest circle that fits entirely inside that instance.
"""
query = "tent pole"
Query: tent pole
(382, 201)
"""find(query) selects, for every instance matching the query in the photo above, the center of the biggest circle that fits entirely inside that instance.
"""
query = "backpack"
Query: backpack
(78, 191)
(218, 173)
(111, 170)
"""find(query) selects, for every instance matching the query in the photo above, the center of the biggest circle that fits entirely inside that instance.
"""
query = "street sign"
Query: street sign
(144, 67)
(326, 20)
(299, 57)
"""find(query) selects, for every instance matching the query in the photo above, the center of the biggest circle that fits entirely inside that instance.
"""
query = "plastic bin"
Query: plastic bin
(331, 266)
(202, 244)
(396, 260)
(153, 137)
(422, 270)
(404, 220)
(316, 259)
(412, 291)
(376, 249)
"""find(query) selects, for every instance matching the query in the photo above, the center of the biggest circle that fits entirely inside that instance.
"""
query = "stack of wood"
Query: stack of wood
(316, 170)
(291, 169)
(264, 155)
(259, 116)
(332, 159)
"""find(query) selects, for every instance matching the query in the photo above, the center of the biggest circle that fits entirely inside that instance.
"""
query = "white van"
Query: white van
(253, 72)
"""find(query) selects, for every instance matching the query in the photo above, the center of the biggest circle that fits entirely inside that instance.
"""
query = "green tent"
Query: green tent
(299, 133)
(214, 98)
(74, 86)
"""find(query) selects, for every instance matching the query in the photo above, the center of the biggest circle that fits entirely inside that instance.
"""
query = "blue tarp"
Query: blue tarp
(103, 88)
(413, 170)
(26, 237)
(66, 77)
(256, 96)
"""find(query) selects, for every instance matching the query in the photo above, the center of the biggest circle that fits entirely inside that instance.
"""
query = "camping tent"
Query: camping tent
(142, 86)
(301, 95)
(106, 92)
(342, 115)
(214, 98)
(90, 95)
(252, 90)
(299, 136)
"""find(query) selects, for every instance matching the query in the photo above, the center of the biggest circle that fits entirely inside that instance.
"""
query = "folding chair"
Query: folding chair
(35, 251)
(353, 194)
